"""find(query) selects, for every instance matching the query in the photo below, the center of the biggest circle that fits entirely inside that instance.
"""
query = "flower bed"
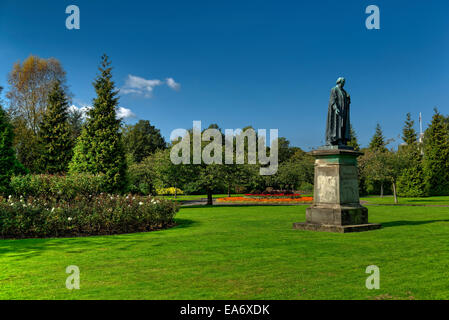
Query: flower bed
(268, 199)
(93, 215)
(273, 196)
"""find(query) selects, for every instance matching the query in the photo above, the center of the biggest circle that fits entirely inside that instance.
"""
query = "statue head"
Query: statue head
(341, 82)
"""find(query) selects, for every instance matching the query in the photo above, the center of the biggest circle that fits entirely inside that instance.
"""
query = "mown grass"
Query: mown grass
(407, 201)
(240, 252)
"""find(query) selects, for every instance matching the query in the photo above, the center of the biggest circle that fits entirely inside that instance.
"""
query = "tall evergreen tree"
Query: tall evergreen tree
(8, 161)
(377, 146)
(378, 142)
(99, 149)
(411, 180)
(353, 142)
(408, 132)
(54, 137)
(436, 155)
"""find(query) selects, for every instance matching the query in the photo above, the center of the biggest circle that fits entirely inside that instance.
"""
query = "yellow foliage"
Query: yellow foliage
(169, 191)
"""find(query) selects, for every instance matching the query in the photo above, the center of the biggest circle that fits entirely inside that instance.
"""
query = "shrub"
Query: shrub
(169, 191)
(55, 186)
(97, 215)
(306, 187)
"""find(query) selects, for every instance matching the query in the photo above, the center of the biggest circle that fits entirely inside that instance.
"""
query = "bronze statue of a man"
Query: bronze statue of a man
(338, 124)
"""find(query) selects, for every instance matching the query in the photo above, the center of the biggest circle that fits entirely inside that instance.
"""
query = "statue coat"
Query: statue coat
(338, 126)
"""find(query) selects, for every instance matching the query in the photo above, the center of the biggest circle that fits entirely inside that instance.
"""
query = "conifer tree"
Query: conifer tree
(408, 132)
(99, 149)
(8, 161)
(436, 156)
(378, 142)
(55, 134)
(411, 181)
(353, 142)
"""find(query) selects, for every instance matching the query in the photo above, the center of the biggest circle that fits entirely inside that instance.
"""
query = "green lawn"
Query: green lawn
(408, 201)
(240, 253)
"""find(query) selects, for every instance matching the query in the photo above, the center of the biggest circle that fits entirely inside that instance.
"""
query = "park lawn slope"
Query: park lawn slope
(240, 252)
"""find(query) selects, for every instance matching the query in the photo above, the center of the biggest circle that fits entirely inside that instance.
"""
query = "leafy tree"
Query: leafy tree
(142, 139)
(144, 177)
(295, 172)
(55, 133)
(408, 132)
(8, 161)
(99, 149)
(169, 174)
(285, 151)
(378, 142)
(353, 142)
(383, 166)
(30, 83)
(436, 155)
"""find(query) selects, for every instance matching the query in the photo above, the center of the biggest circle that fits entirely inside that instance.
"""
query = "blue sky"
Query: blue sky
(269, 64)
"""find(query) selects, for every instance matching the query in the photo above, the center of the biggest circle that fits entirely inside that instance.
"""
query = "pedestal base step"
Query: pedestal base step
(336, 228)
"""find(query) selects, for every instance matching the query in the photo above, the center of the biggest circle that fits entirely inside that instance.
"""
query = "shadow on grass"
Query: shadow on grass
(22, 249)
(408, 223)
(428, 200)
(184, 223)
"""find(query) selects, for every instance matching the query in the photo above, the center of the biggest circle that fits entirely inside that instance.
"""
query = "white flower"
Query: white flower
(52, 209)
(112, 198)
(69, 218)
(12, 203)
(24, 205)
(140, 203)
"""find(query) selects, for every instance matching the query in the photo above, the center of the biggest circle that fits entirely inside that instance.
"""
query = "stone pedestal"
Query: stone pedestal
(336, 205)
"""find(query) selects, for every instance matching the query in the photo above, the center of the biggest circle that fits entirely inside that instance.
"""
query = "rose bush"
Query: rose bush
(30, 217)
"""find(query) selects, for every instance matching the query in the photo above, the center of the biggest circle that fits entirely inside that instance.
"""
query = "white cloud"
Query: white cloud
(125, 113)
(144, 87)
(84, 109)
(173, 84)
(122, 113)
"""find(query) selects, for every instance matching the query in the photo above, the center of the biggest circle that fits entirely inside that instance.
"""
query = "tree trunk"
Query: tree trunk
(394, 193)
(382, 189)
(209, 197)
(229, 190)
